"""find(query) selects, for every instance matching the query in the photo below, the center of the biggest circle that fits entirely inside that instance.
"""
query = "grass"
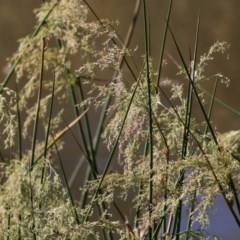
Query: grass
(171, 165)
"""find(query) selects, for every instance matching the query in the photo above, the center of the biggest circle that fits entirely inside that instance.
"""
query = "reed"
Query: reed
(171, 164)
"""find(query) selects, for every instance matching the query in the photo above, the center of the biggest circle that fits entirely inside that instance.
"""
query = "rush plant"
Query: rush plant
(171, 165)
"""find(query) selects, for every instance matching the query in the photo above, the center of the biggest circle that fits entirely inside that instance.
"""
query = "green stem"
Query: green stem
(147, 58)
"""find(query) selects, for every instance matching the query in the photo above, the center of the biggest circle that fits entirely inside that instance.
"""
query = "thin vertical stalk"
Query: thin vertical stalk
(19, 126)
(2, 157)
(66, 183)
(147, 58)
(189, 102)
(47, 135)
(189, 221)
(49, 120)
(163, 217)
(19, 227)
(211, 104)
(187, 125)
(80, 127)
(95, 145)
(8, 225)
(89, 134)
(140, 189)
(34, 137)
(163, 44)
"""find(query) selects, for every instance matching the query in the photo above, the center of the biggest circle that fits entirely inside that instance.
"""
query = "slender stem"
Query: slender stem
(147, 52)
(163, 44)
(47, 137)
(34, 137)
(19, 126)
(38, 103)
(67, 185)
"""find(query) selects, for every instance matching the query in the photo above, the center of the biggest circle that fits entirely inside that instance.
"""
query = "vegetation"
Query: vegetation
(171, 164)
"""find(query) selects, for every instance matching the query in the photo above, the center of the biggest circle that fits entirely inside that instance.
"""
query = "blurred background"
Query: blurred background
(219, 20)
